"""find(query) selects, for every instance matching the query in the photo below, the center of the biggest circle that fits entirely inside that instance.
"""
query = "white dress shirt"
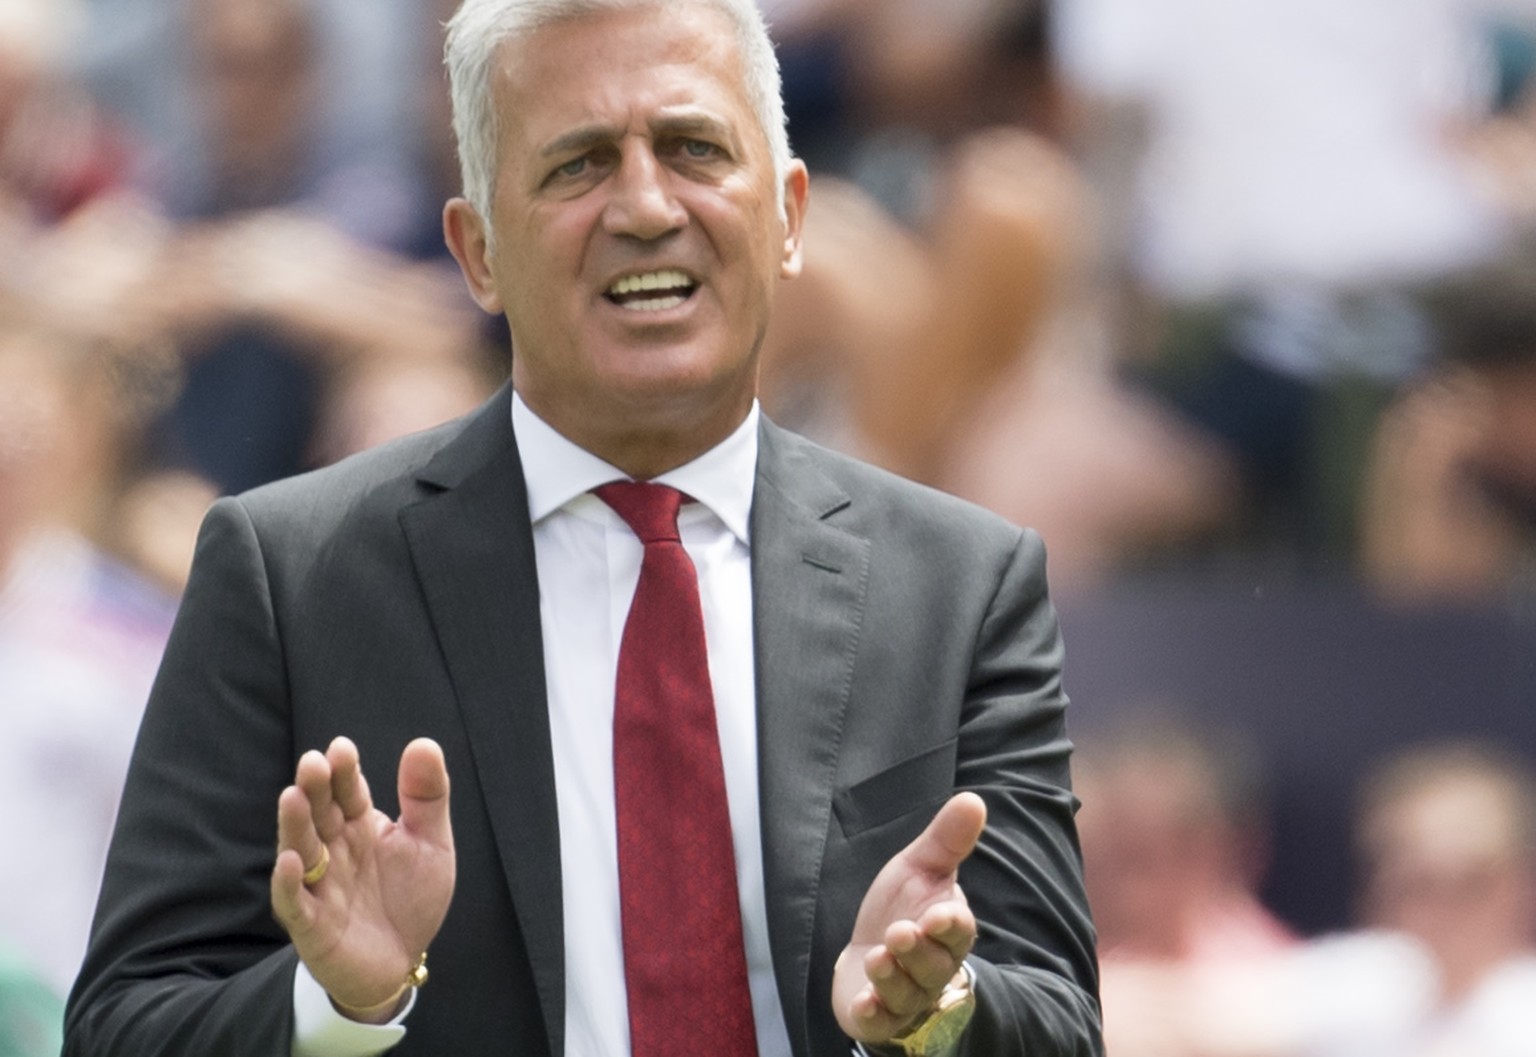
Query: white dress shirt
(588, 565)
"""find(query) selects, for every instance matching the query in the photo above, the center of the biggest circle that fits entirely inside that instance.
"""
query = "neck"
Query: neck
(650, 448)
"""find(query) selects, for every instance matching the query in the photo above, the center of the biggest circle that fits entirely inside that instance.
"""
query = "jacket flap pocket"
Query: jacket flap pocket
(918, 781)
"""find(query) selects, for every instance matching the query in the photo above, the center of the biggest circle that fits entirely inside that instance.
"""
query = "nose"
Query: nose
(642, 205)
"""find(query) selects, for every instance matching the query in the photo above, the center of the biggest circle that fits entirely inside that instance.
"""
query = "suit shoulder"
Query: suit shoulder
(373, 486)
(342, 483)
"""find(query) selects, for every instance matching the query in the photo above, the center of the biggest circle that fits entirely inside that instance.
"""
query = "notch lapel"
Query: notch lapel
(809, 582)
(472, 545)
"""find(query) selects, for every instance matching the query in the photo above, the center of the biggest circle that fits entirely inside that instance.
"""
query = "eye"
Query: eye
(699, 149)
(574, 167)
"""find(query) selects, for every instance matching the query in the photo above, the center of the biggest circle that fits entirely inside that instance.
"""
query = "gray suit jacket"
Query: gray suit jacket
(906, 649)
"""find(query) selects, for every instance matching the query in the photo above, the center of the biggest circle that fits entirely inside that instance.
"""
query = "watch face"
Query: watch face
(940, 1033)
(948, 1026)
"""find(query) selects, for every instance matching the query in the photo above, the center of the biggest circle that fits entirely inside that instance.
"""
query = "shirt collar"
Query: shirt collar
(558, 471)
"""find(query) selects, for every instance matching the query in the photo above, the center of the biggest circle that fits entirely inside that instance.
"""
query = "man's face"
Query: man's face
(638, 237)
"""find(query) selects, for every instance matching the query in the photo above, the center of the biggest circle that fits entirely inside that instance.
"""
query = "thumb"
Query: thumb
(950, 837)
(423, 787)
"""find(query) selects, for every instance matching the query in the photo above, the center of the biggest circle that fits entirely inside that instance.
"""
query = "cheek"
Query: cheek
(535, 260)
(743, 221)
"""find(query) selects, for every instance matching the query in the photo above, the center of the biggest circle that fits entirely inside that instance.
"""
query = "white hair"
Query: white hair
(479, 28)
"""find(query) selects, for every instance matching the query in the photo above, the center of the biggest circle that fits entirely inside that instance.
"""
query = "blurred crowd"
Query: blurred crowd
(1176, 282)
(1443, 958)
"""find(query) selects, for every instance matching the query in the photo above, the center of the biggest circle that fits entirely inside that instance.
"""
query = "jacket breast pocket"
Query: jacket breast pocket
(918, 783)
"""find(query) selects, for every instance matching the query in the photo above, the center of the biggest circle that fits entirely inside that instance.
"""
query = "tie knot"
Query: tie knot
(650, 510)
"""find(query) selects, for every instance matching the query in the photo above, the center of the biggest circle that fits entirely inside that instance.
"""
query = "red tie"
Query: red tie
(685, 964)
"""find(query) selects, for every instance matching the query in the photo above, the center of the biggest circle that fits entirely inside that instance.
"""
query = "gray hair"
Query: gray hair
(480, 27)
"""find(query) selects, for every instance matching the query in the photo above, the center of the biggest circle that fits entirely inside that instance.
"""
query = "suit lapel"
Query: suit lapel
(472, 545)
(809, 581)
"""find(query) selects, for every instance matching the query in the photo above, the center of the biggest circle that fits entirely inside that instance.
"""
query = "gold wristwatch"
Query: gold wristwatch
(938, 1034)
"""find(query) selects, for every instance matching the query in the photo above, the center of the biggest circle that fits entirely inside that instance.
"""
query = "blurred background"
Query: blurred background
(1233, 300)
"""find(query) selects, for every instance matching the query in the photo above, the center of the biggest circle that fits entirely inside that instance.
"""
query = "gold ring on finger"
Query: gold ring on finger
(314, 873)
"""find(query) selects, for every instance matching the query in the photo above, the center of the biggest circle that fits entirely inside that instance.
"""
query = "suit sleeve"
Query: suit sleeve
(185, 958)
(1037, 976)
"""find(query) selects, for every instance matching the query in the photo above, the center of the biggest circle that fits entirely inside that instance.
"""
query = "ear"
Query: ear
(464, 231)
(797, 190)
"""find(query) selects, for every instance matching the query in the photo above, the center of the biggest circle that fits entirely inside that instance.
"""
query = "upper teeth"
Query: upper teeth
(665, 280)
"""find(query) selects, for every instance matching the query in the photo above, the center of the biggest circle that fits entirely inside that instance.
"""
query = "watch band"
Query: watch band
(938, 1034)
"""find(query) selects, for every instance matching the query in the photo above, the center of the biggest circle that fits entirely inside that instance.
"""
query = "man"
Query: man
(1446, 960)
(872, 648)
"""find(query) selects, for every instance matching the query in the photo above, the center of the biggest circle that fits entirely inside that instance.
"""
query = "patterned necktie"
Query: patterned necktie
(685, 962)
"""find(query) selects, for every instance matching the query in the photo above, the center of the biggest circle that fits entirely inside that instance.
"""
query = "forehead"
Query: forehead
(619, 67)
(1452, 821)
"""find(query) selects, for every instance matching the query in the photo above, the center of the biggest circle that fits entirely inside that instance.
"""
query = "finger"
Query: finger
(950, 837)
(298, 846)
(424, 792)
(873, 1020)
(927, 963)
(313, 777)
(296, 830)
(289, 897)
(348, 786)
(900, 994)
(951, 924)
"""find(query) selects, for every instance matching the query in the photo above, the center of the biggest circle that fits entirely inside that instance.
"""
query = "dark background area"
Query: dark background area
(1322, 678)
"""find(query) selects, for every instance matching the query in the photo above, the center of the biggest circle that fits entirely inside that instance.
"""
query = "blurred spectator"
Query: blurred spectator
(878, 91)
(109, 311)
(56, 151)
(261, 133)
(381, 398)
(1291, 147)
(268, 307)
(1279, 177)
(275, 317)
(246, 104)
(1447, 964)
(1174, 844)
(194, 309)
(80, 634)
(80, 638)
(235, 329)
(971, 353)
(1452, 510)
(287, 141)
(894, 335)
(954, 333)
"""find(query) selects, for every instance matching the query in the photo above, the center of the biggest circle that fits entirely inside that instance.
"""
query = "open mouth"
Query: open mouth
(651, 291)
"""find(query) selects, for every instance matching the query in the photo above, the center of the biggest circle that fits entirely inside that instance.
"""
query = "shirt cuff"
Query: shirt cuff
(320, 1031)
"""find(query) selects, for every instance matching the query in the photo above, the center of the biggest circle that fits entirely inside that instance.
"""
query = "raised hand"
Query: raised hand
(913, 930)
(377, 890)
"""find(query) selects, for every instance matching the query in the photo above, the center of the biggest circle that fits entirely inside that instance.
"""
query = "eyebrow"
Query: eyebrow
(578, 140)
(585, 137)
